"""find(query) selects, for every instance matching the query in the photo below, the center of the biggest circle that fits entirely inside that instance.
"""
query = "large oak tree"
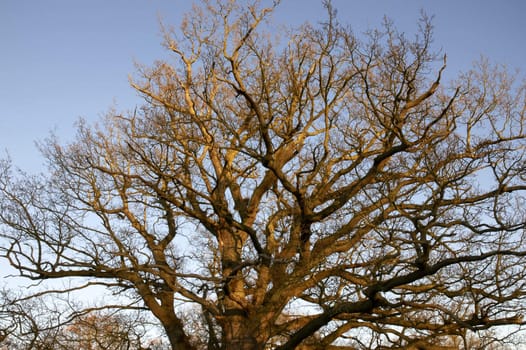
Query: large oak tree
(314, 190)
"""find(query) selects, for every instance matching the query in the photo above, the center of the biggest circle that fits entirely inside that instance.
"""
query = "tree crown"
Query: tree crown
(264, 176)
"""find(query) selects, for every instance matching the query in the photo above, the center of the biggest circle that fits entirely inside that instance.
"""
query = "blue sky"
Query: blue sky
(61, 60)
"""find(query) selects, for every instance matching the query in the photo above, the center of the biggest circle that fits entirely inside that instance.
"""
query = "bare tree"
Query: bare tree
(27, 323)
(313, 191)
(101, 331)
(37, 323)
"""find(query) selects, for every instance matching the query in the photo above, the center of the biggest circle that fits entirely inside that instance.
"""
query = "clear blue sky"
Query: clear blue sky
(61, 60)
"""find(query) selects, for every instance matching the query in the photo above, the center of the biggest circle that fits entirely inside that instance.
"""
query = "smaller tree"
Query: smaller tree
(27, 323)
(101, 330)
(36, 323)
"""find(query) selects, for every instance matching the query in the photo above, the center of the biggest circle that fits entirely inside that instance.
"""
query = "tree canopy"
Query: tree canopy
(316, 189)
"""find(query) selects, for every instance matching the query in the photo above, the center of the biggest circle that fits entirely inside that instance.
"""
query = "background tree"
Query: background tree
(27, 323)
(102, 331)
(35, 323)
(312, 191)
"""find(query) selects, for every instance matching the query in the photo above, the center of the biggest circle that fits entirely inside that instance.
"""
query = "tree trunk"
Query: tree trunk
(238, 332)
(238, 335)
(176, 336)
